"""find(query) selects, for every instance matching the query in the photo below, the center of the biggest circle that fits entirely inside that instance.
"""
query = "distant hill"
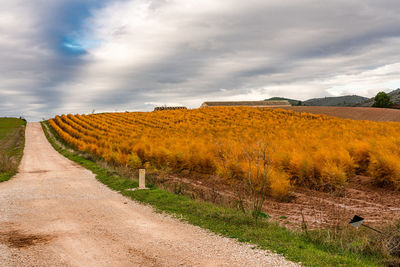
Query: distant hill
(394, 96)
(343, 101)
(293, 102)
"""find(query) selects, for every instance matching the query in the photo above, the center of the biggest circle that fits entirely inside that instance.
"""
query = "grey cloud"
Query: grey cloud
(252, 48)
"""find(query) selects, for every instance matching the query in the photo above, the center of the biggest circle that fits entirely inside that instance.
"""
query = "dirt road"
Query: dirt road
(55, 213)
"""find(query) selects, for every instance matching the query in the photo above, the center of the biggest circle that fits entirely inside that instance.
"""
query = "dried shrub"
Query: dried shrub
(361, 153)
(391, 243)
(333, 175)
(385, 169)
(134, 161)
(280, 184)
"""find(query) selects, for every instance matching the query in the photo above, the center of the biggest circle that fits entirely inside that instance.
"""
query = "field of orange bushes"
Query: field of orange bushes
(284, 147)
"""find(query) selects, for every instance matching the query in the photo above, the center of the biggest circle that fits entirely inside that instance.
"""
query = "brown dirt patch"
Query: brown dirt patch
(377, 205)
(38, 171)
(354, 113)
(17, 239)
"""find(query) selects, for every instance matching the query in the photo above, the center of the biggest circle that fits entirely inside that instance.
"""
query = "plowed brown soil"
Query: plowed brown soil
(378, 206)
(360, 196)
(354, 113)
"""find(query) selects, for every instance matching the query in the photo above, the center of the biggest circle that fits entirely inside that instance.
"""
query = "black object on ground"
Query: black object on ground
(357, 221)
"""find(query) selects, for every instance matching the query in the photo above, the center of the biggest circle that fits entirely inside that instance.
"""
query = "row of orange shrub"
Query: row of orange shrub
(305, 149)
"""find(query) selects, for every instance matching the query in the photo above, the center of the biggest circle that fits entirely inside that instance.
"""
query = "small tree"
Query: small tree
(258, 176)
(248, 172)
(382, 100)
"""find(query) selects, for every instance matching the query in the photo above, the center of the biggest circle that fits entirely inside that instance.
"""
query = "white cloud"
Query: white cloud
(366, 83)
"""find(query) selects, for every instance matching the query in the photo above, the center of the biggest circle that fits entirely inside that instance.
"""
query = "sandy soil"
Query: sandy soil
(55, 213)
(355, 113)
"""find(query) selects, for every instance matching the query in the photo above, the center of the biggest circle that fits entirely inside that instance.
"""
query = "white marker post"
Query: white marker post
(142, 179)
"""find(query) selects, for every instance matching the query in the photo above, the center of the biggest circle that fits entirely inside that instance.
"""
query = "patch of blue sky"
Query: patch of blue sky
(70, 26)
(79, 45)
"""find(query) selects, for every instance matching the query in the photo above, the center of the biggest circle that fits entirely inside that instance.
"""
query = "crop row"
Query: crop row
(284, 147)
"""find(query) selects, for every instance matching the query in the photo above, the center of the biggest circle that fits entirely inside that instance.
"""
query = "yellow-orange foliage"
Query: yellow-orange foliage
(311, 150)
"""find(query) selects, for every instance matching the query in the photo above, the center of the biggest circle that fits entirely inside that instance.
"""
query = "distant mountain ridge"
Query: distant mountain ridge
(345, 101)
(341, 101)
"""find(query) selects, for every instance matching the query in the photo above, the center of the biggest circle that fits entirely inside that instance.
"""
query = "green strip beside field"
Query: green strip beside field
(12, 141)
(295, 246)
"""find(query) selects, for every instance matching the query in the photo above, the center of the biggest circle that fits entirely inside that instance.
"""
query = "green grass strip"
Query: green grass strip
(295, 246)
(9, 129)
(5, 176)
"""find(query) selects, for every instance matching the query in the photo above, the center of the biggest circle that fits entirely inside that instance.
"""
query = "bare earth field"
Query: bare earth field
(55, 213)
(377, 205)
(354, 113)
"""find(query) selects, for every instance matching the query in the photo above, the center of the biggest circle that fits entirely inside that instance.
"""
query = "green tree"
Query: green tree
(382, 100)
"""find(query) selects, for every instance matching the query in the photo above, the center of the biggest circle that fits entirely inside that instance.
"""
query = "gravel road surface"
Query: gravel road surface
(55, 213)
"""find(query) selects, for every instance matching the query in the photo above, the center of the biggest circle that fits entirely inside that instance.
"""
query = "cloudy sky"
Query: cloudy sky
(75, 56)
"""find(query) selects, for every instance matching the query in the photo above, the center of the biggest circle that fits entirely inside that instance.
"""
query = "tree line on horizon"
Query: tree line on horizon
(382, 99)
